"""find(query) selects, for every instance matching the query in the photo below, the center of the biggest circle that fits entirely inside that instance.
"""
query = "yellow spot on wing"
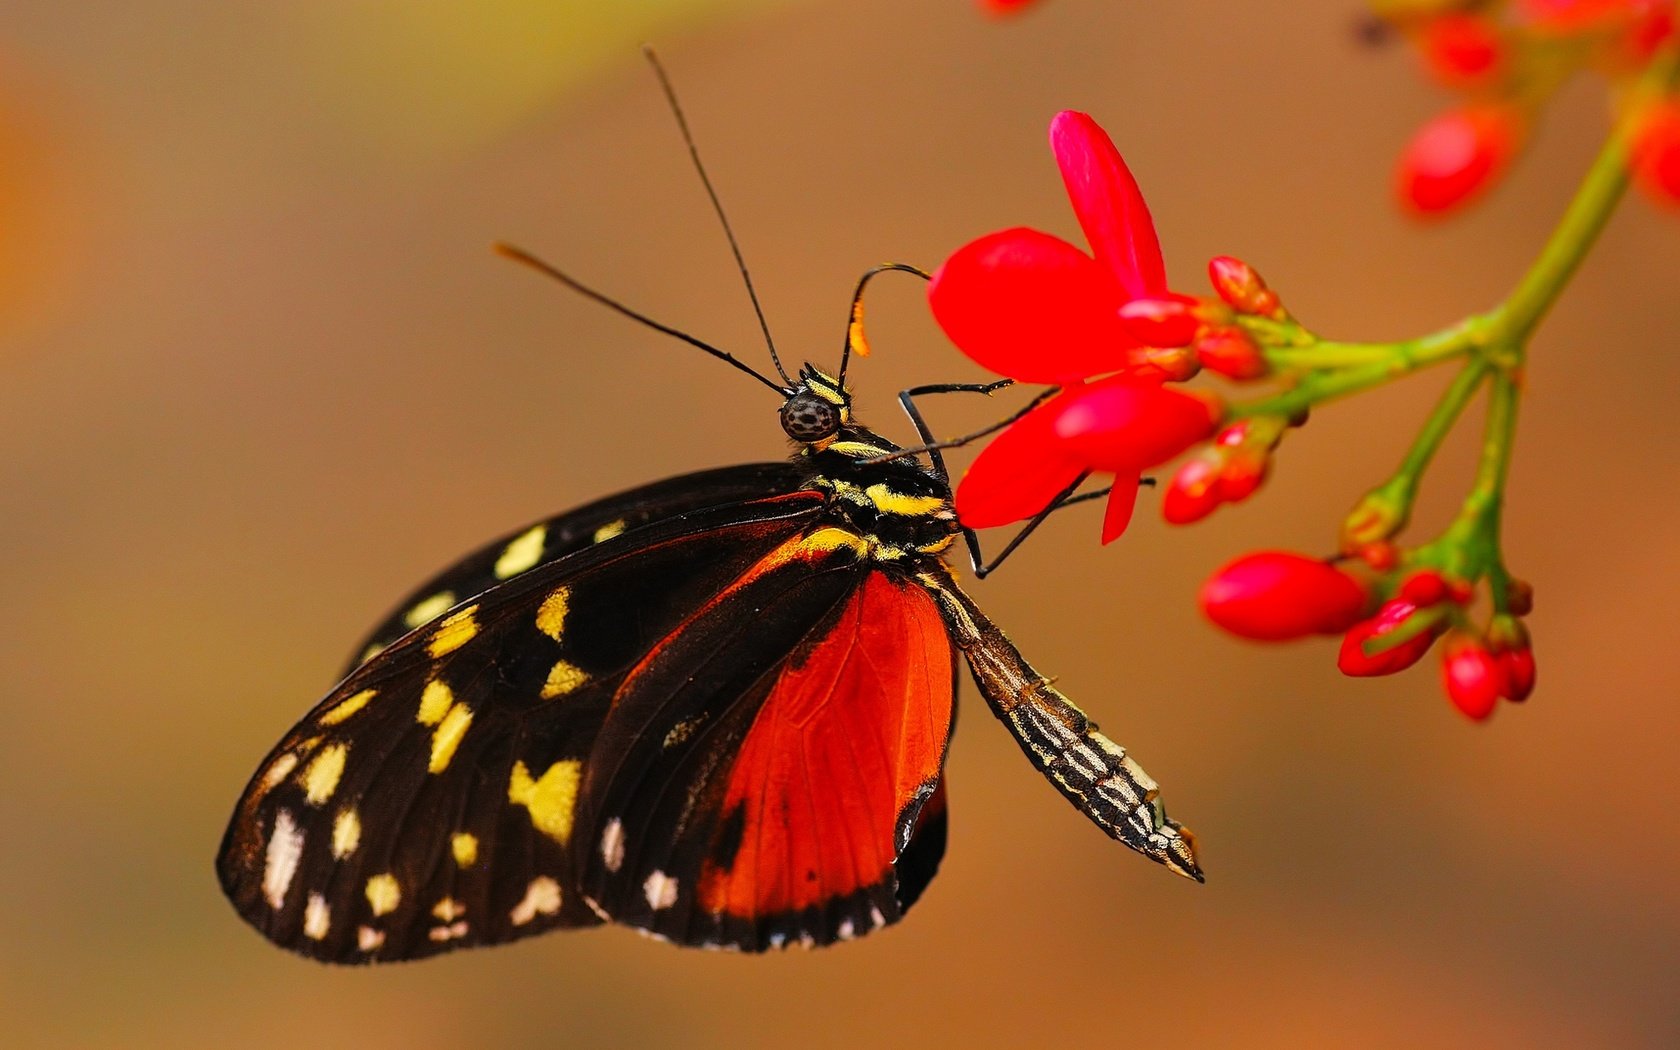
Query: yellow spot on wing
(465, 848)
(447, 737)
(550, 799)
(383, 894)
(429, 609)
(371, 651)
(522, 552)
(347, 833)
(317, 917)
(344, 709)
(453, 631)
(551, 617)
(320, 779)
(448, 910)
(562, 679)
(609, 530)
(435, 702)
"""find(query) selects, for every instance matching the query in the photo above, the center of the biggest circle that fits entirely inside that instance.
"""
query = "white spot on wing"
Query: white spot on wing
(317, 917)
(280, 862)
(661, 890)
(542, 897)
(280, 769)
(612, 845)
(368, 938)
(448, 933)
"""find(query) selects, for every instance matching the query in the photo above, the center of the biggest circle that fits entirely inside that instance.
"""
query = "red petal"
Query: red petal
(1122, 501)
(1124, 424)
(1109, 205)
(1030, 306)
(1015, 476)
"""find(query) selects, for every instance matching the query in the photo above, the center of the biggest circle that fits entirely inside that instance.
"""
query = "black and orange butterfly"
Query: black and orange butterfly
(714, 708)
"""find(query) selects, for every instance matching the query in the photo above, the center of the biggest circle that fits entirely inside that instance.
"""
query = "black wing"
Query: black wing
(428, 802)
(544, 541)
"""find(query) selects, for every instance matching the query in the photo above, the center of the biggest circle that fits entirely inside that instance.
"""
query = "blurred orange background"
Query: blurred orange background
(261, 374)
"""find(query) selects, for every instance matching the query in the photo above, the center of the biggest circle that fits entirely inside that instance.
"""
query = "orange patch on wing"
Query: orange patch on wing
(841, 745)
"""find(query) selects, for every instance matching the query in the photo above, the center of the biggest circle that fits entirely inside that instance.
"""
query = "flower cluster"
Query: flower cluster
(1387, 624)
(1031, 306)
(1503, 60)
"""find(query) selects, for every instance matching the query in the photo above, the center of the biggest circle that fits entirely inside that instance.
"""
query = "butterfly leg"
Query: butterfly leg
(932, 446)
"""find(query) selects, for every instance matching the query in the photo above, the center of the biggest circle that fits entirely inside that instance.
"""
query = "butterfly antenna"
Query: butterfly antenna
(854, 323)
(717, 206)
(519, 255)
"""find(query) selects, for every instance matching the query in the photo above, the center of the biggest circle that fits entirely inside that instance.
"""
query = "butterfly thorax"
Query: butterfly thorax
(896, 506)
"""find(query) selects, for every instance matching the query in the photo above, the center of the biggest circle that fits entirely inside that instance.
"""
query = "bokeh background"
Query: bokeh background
(261, 374)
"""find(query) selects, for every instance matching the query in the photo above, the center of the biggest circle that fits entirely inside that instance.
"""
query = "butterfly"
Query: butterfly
(714, 708)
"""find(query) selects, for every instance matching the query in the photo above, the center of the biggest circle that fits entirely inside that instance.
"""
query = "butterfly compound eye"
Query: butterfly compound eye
(808, 417)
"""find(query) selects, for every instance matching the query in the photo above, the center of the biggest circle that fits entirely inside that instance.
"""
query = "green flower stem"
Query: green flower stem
(1395, 360)
(1470, 548)
(1585, 218)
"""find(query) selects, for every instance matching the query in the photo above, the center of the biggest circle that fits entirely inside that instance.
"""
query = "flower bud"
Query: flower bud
(1241, 286)
(1516, 673)
(1381, 556)
(1424, 587)
(1272, 596)
(1470, 675)
(1355, 660)
(1456, 155)
(1193, 492)
(1463, 50)
(1655, 151)
(1378, 515)
(1168, 365)
(1160, 322)
(1230, 352)
(1244, 470)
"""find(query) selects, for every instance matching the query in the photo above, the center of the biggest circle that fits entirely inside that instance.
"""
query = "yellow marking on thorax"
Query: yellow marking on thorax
(550, 799)
(344, 709)
(464, 847)
(522, 552)
(347, 833)
(383, 893)
(562, 679)
(551, 617)
(860, 449)
(453, 631)
(890, 502)
(447, 737)
(429, 609)
(609, 530)
(435, 701)
(320, 778)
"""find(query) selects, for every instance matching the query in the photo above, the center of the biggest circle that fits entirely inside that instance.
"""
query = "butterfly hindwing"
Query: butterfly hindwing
(429, 801)
(544, 541)
(760, 781)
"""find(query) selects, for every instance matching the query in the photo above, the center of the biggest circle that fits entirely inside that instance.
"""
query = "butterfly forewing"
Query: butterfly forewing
(429, 801)
(544, 541)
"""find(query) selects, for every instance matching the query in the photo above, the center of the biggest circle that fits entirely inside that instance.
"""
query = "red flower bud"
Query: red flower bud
(1377, 516)
(1241, 286)
(1193, 492)
(1516, 673)
(1455, 155)
(1273, 596)
(1244, 471)
(1160, 322)
(1655, 151)
(1172, 364)
(1463, 50)
(1353, 658)
(1231, 353)
(1424, 587)
(1002, 7)
(1470, 676)
(1124, 425)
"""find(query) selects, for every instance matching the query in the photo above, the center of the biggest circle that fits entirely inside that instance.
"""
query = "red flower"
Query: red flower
(1033, 307)
(1002, 7)
(1463, 49)
(1273, 596)
(1455, 156)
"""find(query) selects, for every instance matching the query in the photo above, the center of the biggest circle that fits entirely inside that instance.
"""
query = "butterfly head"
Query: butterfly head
(818, 407)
